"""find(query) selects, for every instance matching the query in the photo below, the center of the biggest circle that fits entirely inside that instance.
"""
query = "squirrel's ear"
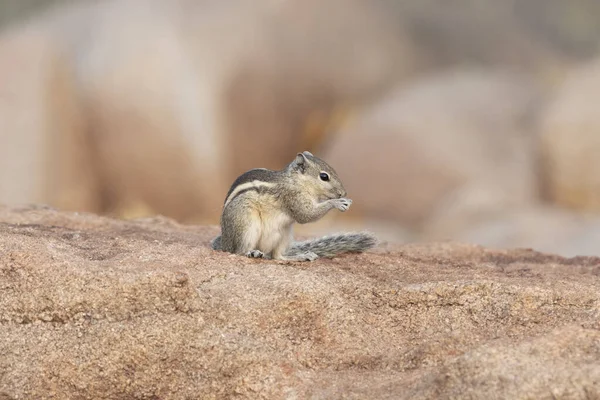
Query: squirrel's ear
(307, 153)
(300, 162)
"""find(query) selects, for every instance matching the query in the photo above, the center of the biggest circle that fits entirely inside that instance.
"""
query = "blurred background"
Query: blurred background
(468, 120)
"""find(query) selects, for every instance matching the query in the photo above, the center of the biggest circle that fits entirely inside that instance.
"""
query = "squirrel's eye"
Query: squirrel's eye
(324, 176)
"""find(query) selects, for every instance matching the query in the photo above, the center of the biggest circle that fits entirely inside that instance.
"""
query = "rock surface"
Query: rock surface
(96, 308)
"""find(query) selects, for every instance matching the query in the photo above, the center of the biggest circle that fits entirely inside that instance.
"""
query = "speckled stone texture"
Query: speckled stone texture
(96, 308)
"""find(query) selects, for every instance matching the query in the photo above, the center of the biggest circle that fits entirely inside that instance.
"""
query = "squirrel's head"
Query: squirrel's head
(317, 176)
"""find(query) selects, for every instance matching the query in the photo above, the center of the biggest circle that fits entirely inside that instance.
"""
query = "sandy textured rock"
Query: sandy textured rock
(447, 146)
(95, 308)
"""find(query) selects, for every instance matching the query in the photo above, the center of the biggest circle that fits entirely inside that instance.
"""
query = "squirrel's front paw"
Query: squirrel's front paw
(342, 204)
(255, 254)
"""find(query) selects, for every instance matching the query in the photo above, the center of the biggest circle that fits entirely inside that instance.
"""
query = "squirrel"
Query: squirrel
(262, 205)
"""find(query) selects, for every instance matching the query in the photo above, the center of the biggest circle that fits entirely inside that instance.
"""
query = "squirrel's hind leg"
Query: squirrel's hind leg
(240, 234)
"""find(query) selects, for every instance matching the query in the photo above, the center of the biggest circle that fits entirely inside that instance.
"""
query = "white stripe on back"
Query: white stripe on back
(247, 185)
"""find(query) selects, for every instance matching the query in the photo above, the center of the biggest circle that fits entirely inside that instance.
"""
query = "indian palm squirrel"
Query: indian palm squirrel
(262, 206)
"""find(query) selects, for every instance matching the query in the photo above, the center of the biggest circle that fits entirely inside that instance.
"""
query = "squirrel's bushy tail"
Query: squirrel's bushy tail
(332, 245)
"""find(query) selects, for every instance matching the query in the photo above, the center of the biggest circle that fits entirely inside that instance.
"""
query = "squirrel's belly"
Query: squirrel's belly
(268, 228)
(275, 231)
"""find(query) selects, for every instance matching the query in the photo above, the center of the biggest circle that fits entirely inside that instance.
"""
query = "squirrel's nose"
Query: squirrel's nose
(342, 193)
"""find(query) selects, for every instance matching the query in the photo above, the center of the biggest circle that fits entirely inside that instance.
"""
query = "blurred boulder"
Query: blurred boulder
(179, 97)
(542, 228)
(445, 147)
(44, 154)
(488, 33)
(318, 59)
(569, 137)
